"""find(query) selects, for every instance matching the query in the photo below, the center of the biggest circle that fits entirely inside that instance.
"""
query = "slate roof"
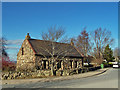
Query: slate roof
(47, 48)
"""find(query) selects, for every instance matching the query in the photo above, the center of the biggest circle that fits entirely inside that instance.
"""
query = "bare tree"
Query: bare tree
(2, 46)
(54, 35)
(56, 51)
(116, 53)
(82, 42)
(5, 64)
(99, 39)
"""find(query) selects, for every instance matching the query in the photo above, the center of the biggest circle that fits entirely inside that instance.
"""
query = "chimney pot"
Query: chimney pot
(27, 36)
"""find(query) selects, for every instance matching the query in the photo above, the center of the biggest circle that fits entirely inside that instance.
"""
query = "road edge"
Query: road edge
(78, 77)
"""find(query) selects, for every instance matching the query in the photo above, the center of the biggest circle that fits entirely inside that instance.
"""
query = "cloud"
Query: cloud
(12, 53)
(14, 42)
(11, 47)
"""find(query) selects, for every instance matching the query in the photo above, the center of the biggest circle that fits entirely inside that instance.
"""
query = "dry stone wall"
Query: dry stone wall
(23, 75)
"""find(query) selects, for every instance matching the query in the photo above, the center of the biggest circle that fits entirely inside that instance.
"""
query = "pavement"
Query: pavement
(19, 82)
(108, 79)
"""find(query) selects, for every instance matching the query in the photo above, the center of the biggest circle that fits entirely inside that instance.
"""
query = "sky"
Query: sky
(36, 17)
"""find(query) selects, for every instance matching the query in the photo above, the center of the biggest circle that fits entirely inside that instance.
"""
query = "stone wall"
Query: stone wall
(22, 75)
(46, 73)
(25, 57)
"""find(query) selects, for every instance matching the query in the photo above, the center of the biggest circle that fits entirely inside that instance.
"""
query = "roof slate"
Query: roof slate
(48, 48)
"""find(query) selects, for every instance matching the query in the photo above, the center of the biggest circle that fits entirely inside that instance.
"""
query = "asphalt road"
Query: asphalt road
(108, 79)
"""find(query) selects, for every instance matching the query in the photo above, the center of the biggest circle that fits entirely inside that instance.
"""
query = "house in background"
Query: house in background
(40, 54)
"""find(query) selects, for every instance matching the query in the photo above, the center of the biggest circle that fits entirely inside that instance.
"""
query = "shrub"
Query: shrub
(7, 64)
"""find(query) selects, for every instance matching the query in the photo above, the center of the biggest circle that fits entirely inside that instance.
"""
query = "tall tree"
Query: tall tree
(99, 39)
(108, 54)
(2, 46)
(5, 63)
(83, 43)
(55, 35)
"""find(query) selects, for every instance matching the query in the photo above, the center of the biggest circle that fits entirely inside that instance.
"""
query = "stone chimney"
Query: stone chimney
(27, 36)
(72, 43)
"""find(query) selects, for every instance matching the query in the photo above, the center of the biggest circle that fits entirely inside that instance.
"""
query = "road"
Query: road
(108, 79)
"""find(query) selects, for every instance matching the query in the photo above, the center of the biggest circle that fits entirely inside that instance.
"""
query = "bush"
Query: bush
(8, 65)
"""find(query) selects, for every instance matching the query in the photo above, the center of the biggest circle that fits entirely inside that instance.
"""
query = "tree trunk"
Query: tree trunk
(52, 69)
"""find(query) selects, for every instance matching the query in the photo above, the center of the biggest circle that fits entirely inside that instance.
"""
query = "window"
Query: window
(43, 64)
(22, 51)
(59, 64)
(71, 64)
(75, 64)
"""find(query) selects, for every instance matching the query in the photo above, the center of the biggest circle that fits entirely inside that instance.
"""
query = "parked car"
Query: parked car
(116, 65)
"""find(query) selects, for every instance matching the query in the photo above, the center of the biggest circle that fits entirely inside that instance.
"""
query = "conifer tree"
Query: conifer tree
(108, 54)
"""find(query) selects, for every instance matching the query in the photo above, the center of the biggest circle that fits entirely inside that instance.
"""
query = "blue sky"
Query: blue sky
(20, 18)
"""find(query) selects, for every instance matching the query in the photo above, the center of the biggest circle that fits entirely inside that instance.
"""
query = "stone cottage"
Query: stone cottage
(40, 54)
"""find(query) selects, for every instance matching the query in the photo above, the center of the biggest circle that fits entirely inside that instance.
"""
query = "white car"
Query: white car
(115, 66)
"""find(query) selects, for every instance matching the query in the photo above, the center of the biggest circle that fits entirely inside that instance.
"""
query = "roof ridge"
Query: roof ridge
(50, 41)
